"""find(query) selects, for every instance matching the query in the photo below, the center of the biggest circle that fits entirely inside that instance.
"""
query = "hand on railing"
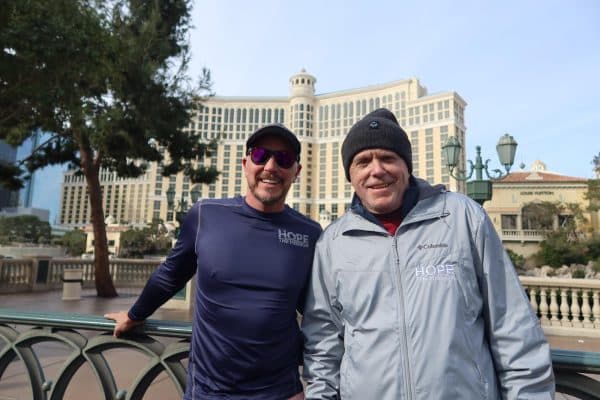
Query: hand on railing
(122, 322)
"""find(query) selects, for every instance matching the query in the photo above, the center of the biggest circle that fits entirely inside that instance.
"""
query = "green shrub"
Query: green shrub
(557, 250)
(517, 259)
(578, 274)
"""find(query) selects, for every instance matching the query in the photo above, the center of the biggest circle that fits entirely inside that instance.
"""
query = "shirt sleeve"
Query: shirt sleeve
(172, 275)
(323, 330)
(519, 348)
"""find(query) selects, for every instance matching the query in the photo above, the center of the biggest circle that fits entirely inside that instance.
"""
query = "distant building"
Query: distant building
(321, 122)
(42, 213)
(8, 154)
(113, 237)
(512, 195)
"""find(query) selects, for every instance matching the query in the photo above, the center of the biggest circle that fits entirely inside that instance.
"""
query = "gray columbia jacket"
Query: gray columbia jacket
(434, 312)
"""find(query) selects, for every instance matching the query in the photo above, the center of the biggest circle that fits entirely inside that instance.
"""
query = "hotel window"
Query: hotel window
(509, 221)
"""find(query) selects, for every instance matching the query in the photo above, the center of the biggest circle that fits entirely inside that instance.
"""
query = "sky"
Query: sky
(527, 68)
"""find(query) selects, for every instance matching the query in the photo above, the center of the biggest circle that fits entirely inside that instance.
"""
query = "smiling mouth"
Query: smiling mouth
(382, 186)
(270, 181)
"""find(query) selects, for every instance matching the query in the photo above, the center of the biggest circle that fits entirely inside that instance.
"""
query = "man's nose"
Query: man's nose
(271, 164)
(377, 167)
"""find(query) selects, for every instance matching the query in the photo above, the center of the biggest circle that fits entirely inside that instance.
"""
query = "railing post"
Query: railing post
(586, 309)
(596, 308)
(532, 299)
(575, 308)
(553, 308)
(544, 307)
(564, 309)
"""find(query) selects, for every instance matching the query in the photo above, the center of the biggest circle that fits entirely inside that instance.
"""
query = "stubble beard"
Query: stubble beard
(269, 199)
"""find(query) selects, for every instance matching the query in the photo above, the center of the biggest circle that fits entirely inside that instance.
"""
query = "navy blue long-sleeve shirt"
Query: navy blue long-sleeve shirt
(251, 270)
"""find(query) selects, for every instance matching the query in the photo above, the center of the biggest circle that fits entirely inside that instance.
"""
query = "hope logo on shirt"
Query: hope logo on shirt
(293, 238)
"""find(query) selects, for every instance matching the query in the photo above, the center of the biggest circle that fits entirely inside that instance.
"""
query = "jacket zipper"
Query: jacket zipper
(404, 337)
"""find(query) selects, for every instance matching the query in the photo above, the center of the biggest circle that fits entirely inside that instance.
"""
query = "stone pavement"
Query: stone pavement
(15, 385)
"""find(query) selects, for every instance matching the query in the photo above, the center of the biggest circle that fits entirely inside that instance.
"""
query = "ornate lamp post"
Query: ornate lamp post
(182, 207)
(480, 189)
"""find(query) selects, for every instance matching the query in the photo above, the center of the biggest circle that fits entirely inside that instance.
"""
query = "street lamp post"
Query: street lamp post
(182, 207)
(480, 189)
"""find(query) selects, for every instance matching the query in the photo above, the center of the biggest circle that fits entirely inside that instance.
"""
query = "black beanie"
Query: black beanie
(378, 129)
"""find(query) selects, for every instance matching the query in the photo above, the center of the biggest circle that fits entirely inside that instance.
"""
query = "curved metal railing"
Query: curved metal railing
(572, 368)
(63, 329)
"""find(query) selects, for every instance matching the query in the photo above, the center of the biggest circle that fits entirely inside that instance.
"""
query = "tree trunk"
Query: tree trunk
(104, 283)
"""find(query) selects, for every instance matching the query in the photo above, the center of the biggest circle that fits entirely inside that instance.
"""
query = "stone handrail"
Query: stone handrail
(565, 306)
(39, 273)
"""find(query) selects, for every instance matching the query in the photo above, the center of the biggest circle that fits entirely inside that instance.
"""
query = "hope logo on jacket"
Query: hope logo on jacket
(435, 272)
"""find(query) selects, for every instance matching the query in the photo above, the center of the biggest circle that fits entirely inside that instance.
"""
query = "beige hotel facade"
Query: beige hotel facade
(320, 121)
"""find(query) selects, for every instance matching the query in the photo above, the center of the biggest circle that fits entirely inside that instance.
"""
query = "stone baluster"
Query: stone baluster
(544, 307)
(564, 309)
(13, 274)
(596, 308)
(586, 309)
(575, 308)
(553, 308)
(532, 299)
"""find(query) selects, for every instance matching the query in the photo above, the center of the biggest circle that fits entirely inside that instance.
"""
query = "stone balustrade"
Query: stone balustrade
(37, 274)
(565, 306)
(523, 235)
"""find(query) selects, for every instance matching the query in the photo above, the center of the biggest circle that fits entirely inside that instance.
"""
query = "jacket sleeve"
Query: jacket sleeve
(172, 275)
(322, 329)
(519, 348)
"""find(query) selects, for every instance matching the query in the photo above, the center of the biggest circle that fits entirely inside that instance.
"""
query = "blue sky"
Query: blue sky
(529, 68)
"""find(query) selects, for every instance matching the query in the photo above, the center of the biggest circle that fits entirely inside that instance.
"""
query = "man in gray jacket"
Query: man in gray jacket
(412, 295)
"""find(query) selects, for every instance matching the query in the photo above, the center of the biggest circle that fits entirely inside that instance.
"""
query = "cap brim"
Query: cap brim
(275, 130)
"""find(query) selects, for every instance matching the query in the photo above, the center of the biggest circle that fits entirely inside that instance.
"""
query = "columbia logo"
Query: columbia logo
(431, 246)
(293, 238)
(435, 272)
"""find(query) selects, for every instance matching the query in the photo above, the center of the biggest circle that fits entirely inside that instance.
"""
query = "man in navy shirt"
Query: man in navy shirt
(252, 256)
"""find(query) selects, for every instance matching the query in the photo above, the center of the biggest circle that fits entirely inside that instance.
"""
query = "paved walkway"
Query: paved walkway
(15, 385)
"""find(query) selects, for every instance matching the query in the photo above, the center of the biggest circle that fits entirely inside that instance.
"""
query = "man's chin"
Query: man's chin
(270, 199)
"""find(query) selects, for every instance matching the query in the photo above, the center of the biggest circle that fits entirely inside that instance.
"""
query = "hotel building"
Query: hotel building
(516, 195)
(321, 122)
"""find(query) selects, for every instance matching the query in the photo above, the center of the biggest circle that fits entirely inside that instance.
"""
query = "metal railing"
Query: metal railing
(72, 332)
(571, 368)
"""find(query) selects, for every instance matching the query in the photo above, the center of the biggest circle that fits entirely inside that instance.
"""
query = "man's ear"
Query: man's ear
(298, 172)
